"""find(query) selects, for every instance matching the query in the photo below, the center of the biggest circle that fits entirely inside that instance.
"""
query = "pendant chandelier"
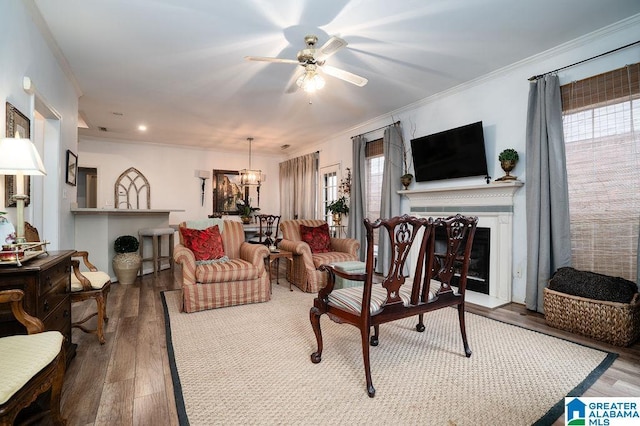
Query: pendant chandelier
(250, 176)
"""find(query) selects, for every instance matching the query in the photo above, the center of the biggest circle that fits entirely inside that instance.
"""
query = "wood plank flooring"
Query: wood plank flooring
(127, 381)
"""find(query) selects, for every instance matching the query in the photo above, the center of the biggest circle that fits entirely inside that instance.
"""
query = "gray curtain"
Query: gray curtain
(547, 194)
(358, 194)
(298, 187)
(393, 148)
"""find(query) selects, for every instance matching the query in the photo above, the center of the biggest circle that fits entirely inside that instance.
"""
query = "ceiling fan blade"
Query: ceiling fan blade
(276, 60)
(329, 48)
(345, 75)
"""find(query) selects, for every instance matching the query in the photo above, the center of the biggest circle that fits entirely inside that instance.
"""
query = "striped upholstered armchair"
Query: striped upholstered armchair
(303, 272)
(238, 277)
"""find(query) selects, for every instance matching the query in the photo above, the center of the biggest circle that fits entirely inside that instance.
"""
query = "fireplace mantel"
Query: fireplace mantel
(493, 204)
(492, 194)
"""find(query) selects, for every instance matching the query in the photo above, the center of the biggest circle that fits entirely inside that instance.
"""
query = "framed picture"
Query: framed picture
(16, 122)
(72, 168)
(226, 191)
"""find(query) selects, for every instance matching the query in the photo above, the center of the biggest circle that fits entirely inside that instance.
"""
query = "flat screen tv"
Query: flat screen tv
(454, 153)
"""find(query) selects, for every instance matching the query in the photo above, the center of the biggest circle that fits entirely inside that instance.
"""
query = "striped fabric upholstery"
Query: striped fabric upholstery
(303, 271)
(243, 279)
(233, 270)
(350, 298)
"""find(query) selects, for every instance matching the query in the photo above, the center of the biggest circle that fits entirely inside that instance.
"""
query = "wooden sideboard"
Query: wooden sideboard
(46, 282)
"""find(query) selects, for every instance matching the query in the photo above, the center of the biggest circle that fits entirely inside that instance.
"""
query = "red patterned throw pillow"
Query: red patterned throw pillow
(317, 237)
(205, 244)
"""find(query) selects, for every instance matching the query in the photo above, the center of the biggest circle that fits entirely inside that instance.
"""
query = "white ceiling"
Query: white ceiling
(178, 65)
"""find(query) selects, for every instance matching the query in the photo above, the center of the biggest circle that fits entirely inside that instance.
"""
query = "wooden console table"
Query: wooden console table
(46, 282)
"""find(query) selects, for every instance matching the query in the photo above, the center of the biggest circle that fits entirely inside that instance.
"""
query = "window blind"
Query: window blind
(601, 120)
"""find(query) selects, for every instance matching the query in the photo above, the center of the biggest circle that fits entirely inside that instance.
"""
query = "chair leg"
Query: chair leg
(463, 330)
(314, 317)
(102, 308)
(371, 391)
(56, 391)
(374, 339)
(420, 324)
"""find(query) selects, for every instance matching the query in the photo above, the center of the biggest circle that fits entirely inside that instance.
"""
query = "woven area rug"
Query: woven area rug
(250, 365)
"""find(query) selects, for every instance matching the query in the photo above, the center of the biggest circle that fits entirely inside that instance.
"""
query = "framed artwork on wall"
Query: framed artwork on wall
(16, 122)
(72, 168)
(226, 191)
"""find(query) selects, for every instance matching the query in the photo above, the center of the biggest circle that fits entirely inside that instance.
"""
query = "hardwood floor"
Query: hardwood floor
(127, 381)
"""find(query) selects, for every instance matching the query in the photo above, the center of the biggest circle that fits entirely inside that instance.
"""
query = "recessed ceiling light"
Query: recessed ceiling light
(117, 113)
(142, 128)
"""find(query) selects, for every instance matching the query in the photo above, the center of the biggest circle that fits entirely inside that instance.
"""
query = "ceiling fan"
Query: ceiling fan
(312, 60)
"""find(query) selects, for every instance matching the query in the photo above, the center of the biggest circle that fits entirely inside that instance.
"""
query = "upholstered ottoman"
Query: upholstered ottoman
(352, 267)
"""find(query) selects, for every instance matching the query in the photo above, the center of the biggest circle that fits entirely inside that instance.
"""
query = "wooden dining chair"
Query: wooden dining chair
(87, 282)
(395, 296)
(31, 365)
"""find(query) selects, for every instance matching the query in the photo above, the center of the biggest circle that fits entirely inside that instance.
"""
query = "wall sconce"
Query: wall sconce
(203, 175)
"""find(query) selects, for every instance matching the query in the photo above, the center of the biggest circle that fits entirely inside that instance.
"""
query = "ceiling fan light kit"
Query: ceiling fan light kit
(310, 80)
(312, 60)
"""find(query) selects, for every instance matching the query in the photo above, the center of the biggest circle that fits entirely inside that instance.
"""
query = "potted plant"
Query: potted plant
(246, 211)
(338, 207)
(127, 261)
(508, 159)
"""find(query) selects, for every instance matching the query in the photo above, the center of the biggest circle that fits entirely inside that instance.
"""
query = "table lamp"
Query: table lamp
(19, 156)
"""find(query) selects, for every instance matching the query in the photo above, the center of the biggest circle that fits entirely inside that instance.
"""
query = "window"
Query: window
(601, 119)
(374, 166)
(329, 190)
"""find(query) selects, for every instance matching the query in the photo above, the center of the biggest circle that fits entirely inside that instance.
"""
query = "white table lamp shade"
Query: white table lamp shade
(20, 156)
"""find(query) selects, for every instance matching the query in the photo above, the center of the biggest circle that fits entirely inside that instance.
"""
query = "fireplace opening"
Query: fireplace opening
(478, 276)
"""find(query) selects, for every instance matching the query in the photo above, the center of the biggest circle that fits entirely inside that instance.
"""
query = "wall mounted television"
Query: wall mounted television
(450, 154)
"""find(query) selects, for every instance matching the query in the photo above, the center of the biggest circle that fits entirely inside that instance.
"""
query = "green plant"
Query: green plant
(126, 244)
(508, 155)
(340, 205)
(245, 209)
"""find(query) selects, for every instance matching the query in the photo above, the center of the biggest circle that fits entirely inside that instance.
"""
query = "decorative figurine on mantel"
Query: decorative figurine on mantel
(508, 159)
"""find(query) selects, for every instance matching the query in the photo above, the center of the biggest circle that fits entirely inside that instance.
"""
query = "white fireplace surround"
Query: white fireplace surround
(493, 204)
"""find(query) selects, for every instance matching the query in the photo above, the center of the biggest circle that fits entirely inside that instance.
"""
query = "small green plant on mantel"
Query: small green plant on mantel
(508, 154)
(508, 159)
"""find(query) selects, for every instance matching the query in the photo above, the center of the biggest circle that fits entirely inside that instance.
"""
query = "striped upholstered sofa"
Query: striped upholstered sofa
(239, 280)
(303, 271)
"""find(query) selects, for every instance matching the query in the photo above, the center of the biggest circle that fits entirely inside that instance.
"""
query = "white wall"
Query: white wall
(499, 100)
(24, 52)
(170, 172)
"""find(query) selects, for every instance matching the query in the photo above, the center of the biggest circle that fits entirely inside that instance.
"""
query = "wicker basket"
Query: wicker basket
(611, 322)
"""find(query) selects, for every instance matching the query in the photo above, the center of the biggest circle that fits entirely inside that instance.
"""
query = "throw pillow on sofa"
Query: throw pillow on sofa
(206, 244)
(317, 237)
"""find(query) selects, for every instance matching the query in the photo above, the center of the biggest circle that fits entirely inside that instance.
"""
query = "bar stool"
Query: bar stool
(156, 239)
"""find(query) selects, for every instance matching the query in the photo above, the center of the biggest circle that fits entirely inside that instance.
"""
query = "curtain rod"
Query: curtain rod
(535, 77)
(379, 128)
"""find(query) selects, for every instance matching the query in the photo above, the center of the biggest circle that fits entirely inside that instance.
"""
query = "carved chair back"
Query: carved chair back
(268, 228)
